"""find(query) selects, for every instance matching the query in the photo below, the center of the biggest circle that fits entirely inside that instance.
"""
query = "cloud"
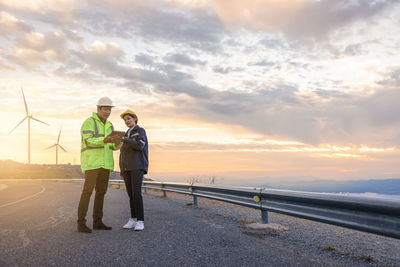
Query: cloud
(6, 67)
(280, 110)
(183, 59)
(353, 49)
(155, 21)
(155, 42)
(28, 48)
(258, 14)
(10, 25)
(37, 6)
(144, 59)
(299, 19)
(109, 60)
(225, 70)
(201, 25)
(383, 108)
(104, 60)
(61, 14)
(72, 35)
(53, 44)
(98, 53)
(314, 117)
(34, 49)
(319, 18)
(392, 79)
(262, 63)
(273, 43)
(26, 58)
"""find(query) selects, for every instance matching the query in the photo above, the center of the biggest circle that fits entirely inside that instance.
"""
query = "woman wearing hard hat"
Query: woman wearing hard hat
(134, 163)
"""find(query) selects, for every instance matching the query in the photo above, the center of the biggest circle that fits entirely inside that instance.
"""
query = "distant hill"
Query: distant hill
(385, 186)
(15, 170)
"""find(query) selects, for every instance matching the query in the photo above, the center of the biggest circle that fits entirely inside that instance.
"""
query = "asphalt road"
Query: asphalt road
(38, 228)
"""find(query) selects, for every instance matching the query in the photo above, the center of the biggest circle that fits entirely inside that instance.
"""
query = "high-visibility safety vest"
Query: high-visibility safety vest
(95, 153)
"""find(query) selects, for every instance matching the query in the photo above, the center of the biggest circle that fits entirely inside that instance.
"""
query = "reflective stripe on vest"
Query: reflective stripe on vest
(95, 134)
(96, 129)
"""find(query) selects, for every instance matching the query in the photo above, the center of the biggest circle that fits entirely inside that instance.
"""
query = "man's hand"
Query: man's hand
(108, 139)
(113, 139)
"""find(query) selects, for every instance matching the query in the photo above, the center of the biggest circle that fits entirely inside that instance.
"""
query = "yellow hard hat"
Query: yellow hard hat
(129, 112)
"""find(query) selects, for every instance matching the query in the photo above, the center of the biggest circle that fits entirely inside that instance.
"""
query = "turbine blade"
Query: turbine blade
(58, 139)
(18, 124)
(38, 120)
(62, 148)
(26, 106)
(50, 146)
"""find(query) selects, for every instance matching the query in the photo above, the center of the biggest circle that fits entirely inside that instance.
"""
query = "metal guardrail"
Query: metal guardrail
(361, 213)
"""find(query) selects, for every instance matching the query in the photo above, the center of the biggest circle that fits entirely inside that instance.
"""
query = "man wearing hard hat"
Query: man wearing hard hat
(96, 162)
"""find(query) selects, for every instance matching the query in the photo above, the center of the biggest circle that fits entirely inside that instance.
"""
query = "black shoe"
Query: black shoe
(101, 226)
(82, 228)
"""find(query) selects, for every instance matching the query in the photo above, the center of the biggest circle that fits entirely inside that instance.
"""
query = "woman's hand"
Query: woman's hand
(120, 144)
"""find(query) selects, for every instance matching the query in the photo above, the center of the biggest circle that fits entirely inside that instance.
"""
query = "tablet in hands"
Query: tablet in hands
(114, 137)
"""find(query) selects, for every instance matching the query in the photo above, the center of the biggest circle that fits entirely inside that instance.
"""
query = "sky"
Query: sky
(267, 89)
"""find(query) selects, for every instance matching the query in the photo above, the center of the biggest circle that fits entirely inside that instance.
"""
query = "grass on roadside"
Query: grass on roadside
(363, 257)
(337, 250)
(367, 258)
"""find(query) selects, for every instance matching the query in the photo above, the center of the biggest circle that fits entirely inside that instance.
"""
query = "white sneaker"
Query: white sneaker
(130, 224)
(139, 226)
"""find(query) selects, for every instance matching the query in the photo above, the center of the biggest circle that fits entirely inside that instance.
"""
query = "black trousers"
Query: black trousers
(98, 179)
(133, 182)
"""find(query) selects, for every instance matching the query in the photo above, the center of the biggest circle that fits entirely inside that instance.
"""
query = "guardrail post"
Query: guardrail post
(191, 189)
(163, 189)
(264, 216)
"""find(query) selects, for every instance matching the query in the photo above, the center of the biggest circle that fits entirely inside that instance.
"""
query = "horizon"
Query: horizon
(204, 178)
(388, 189)
(227, 88)
(381, 188)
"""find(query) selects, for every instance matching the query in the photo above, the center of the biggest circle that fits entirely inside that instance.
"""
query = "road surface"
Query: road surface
(38, 228)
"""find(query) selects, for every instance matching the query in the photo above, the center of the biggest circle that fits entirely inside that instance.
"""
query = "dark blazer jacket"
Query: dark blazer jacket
(134, 153)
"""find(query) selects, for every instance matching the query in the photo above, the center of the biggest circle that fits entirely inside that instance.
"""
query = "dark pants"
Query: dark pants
(98, 179)
(133, 182)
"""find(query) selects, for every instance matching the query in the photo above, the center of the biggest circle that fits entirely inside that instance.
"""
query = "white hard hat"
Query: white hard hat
(105, 102)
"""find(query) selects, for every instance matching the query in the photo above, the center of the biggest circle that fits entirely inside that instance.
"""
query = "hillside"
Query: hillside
(16, 170)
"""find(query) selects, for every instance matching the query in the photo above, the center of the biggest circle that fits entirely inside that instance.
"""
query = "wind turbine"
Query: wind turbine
(29, 117)
(57, 145)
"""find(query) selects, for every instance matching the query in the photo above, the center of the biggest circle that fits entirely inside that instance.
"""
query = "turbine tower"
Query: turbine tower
(57, 145)
(29, 117)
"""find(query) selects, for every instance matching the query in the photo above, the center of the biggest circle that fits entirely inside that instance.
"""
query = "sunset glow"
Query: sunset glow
(301, 89)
